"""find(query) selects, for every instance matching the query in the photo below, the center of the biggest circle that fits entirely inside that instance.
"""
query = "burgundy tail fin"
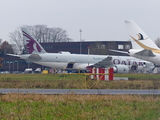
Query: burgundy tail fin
(31, 43)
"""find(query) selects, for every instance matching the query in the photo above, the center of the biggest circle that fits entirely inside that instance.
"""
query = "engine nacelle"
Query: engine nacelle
(140, 68)
(121, 69)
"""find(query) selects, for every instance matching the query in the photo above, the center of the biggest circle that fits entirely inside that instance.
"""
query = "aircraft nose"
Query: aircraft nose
(130, 52)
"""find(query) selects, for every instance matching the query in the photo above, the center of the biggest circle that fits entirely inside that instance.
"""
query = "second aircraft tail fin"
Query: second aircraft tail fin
(139, 39)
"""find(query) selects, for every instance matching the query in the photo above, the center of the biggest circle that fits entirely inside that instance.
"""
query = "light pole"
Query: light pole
(80, 40)
(28, 63)
(88, 54)
(17, 65)
(9, 65)
(13, 67)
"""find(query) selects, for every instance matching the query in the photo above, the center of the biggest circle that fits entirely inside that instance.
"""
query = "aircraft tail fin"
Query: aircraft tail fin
(31, 43)
(139, 38)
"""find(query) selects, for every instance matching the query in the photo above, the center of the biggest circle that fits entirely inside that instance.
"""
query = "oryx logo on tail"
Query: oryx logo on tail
(31, 44)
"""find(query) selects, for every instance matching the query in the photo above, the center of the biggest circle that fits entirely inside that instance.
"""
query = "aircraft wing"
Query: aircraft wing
(107, 62)
(31, 56)
(146, 52)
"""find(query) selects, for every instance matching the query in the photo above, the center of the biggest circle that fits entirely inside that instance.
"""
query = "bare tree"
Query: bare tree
(37, 31)
(17, 41)
(42, 34)
(157, 42)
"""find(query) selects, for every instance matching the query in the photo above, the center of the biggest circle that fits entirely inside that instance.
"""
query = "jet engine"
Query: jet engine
(121, 69)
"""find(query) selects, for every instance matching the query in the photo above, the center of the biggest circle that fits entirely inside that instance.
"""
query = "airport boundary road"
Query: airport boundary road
(81, 91)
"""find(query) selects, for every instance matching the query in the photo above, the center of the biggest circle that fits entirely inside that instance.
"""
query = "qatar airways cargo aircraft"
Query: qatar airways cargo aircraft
(66, 60)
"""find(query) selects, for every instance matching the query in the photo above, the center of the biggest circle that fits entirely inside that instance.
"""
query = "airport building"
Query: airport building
(10, 63)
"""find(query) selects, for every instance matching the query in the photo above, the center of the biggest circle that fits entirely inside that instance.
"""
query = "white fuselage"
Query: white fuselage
(80, 61)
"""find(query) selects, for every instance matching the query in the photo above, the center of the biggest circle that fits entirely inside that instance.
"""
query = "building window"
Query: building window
(120, 46)
(98, 46)
(102, 46)
(127, 47)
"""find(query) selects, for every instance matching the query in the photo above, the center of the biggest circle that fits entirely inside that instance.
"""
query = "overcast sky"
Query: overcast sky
(99, 19)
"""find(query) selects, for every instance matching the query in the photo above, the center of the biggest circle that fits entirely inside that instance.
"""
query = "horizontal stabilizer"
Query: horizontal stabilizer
(13, 55)
(118, 51)
(146, 52)
(34, 57)
(107, 62)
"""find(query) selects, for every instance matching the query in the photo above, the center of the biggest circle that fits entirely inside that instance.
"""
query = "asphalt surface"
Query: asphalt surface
(81, 91)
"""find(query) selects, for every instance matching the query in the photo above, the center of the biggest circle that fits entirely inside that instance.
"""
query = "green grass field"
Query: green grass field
(51, 81)
(78, 107)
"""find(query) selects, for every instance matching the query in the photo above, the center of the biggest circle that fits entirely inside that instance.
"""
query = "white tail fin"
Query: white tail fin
(31, 43)
(139, 39)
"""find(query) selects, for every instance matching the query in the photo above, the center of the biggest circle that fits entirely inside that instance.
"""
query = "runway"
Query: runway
(81, 91)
